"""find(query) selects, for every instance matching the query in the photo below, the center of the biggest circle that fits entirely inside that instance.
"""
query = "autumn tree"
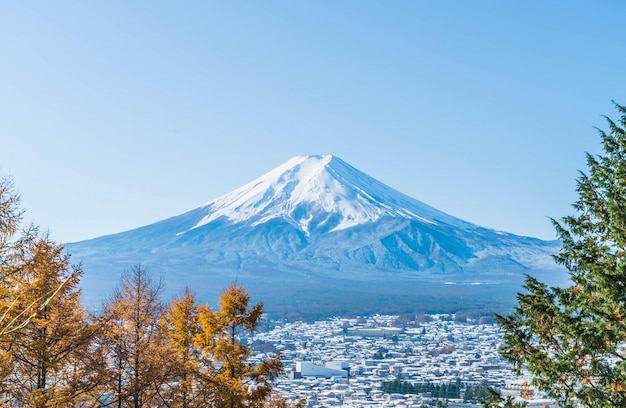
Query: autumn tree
(573, 339)
(136, 363)
(181, 327)
(46, 365)
(42, 324)
(236, 381)
(10, 221)
(10, 217)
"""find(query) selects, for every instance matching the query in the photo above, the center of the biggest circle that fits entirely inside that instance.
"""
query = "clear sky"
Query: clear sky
(117, 114)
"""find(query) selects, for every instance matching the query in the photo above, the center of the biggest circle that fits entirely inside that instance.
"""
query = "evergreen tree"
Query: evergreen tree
(236, 382)
(572, 339)
(495, 400)
(469, 394)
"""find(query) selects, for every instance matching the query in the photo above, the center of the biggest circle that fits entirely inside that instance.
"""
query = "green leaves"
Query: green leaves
(571, 339)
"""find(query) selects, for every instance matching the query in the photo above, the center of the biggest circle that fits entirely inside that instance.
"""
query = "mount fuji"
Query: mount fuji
(317, 236)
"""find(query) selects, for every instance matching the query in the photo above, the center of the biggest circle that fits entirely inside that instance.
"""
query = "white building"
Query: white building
(330, 369)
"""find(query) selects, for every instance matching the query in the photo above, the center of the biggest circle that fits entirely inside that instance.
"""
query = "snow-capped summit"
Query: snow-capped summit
(312, 228)
(317, 192)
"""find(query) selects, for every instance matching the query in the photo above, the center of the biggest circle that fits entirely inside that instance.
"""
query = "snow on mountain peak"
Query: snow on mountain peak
(256, 235)
(317, 192)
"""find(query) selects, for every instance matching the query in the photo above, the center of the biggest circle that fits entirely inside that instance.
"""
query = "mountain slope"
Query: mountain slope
(310, 226)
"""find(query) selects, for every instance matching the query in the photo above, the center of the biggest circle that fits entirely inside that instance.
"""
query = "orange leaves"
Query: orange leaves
(233, 303)
(618, 387)
(209, 324)
(236, 381)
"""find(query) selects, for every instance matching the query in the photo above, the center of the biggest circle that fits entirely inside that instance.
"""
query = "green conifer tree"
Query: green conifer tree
(573, 339)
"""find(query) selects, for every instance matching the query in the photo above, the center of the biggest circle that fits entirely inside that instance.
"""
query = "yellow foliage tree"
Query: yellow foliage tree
(42, 324)
(181, 326)
(10, 219)
(42, 351)
(237, 383)
(136, 361)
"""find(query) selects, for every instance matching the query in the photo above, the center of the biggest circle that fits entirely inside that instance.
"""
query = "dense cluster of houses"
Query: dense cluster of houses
(344, 362)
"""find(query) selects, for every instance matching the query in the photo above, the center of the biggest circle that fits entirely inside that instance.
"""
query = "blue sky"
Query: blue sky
(117, 114)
